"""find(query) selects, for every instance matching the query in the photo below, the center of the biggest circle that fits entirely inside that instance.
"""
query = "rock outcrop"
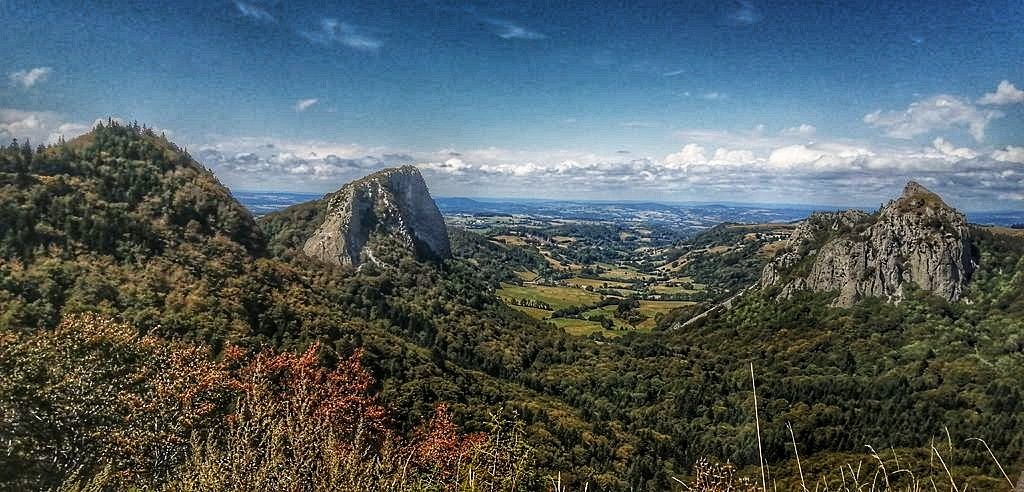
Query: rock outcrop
(916, 238)
(388, 209)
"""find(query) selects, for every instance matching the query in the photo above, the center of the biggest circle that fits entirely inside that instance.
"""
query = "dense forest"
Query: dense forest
(134, 288)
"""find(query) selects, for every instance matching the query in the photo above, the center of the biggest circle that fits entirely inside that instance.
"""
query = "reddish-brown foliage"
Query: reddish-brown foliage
(338, 398)
(440, 446)
(140, 403)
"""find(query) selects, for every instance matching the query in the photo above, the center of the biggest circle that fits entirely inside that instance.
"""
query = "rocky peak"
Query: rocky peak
(388, 209)
(915, 238)
(826, 223)
(914, 189)
(917, 199)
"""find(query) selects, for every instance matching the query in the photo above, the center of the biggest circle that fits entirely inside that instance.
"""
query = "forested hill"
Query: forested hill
(122, 221)
(118, 190)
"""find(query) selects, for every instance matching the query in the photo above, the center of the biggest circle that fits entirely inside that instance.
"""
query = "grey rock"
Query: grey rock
(390, 208)
(915, 238)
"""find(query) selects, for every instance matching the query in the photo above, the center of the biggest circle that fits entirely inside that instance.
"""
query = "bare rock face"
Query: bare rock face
(389, 209)
(916, 238)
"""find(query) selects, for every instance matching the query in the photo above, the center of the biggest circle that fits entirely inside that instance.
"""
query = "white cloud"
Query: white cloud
(714, 96)
(28, 78)
(950, 150)
(757, 138)
(25, 124)
(68, 131)
(260, 162)
(734, 156)
(803, 130)
(831, 171)
(1005, 94)
(333, 31)
(741, 168)
(639, 124)
(691, 153)
(940, 112)
(453, 165)
(38, 126)
(794, 155)
(745, 12)
(254, 12)
(522, 170)
(1009, 154)
(304, 149)
(692, 159)
(509, 30)
(304, 104)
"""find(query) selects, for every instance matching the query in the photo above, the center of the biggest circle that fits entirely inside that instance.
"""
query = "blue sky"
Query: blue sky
(746, 100)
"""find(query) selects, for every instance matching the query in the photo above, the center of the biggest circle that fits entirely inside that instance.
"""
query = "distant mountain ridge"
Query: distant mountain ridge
(916, 238)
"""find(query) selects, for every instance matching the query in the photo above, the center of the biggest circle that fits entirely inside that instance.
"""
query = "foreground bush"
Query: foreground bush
(93, 406)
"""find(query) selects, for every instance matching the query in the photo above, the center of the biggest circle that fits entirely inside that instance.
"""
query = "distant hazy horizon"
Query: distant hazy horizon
(267, 201)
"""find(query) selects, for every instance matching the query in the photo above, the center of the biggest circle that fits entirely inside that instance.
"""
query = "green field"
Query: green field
(598, 283)
(625, 273)
(559, 297)
(608, 311)
(528, 276)
(512, 240)
(556, 297)
(577, 327)
(582, 327)
(653, 308)
(676, 289)
(534, 313)
(648, 308)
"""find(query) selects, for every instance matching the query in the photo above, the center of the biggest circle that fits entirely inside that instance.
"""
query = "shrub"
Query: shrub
(93, 405)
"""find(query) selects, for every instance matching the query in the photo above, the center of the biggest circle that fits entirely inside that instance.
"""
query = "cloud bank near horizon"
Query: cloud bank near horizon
(791, 165)
(822, 172)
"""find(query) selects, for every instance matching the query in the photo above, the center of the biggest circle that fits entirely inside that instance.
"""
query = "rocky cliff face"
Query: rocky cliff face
(915, 238)
(387, 209)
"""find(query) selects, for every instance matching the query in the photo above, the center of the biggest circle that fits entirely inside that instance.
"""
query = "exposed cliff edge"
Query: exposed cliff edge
(391, 208)
(915, 238)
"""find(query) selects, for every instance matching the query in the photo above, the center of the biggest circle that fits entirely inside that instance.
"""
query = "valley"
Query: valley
(596, 257)
(649, 258)
(603, 277)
